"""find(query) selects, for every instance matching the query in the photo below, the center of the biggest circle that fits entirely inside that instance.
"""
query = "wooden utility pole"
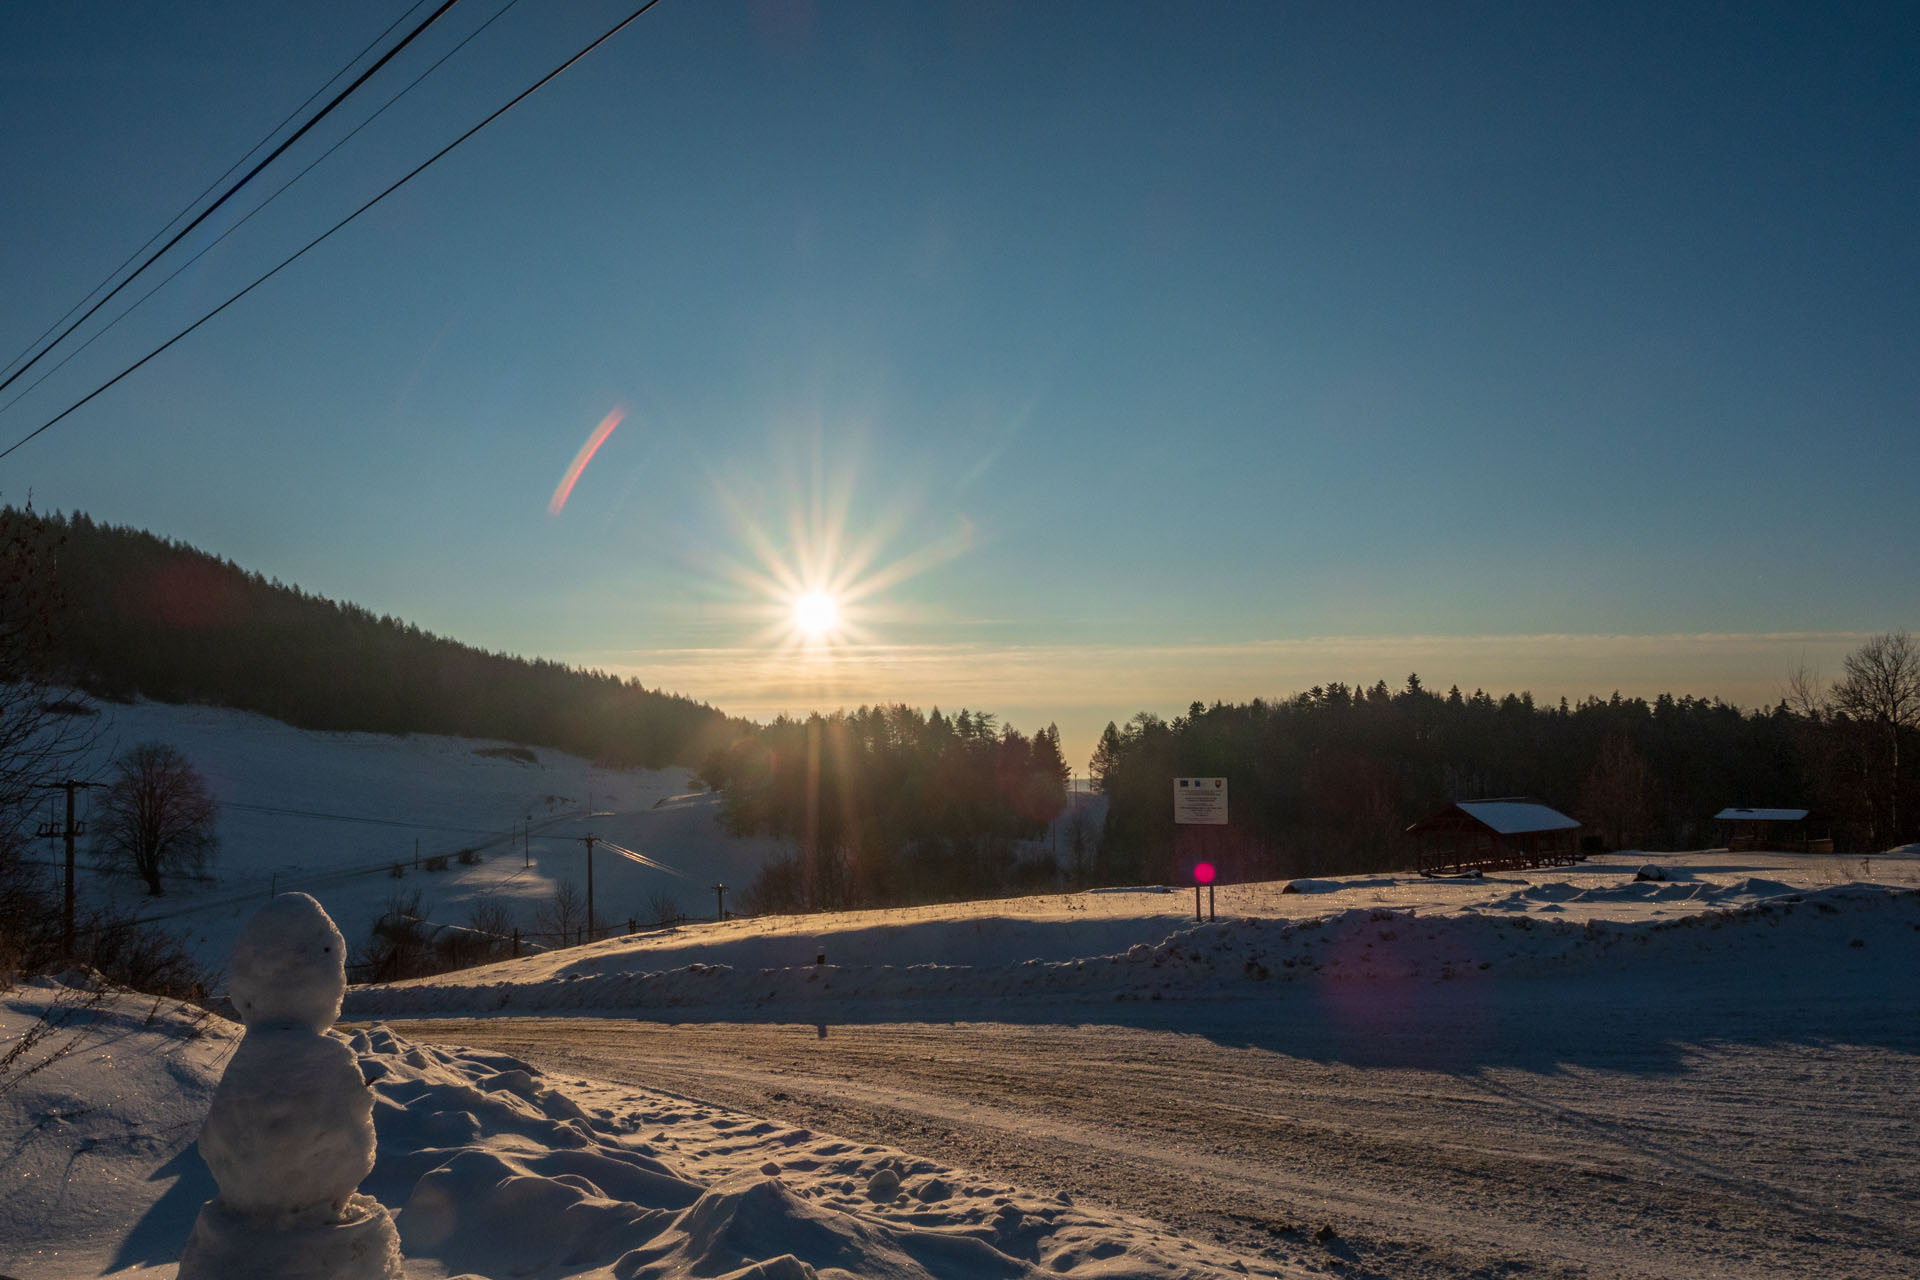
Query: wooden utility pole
(589, 841)
(72, 829)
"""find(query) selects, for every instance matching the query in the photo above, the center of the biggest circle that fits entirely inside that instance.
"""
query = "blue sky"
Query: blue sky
(1148, 352)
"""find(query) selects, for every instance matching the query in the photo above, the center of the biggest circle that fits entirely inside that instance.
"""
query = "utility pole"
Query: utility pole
(589, 841)
(48, 831)
(720, 902)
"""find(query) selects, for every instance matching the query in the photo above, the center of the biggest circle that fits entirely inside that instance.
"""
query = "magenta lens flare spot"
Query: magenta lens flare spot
(580, 460)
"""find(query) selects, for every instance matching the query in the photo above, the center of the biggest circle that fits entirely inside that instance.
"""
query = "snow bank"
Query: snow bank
(500, 1173)
(1516, 935)
(497, 1171)
(99, 1170)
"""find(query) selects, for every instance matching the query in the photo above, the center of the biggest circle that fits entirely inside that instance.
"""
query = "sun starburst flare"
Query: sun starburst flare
(813, 593)
(815, 613)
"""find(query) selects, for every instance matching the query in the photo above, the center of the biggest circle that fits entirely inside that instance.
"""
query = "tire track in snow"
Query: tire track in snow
(1637, 1157)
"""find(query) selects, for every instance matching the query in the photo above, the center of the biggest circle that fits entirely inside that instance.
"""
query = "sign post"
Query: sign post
(1200, 802)
(1203, 874)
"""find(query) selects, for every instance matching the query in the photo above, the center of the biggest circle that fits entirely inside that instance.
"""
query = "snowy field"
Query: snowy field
(1567, 1072)
(1144, 943)
(330, 814)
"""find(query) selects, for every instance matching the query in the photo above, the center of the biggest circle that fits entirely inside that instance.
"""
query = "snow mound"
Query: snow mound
(101, 1169)
(1512, 936)
(502, 1174)
(499, 1171)
(1310, 885)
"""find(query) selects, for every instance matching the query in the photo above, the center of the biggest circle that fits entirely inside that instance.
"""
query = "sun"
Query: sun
(814, 593)
(815, 614)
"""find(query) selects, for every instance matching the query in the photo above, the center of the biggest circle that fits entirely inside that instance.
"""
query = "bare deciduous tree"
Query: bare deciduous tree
(397, 943)
(490, 915)
(1805, 695)
(489, 935)
(564, 915)
(1882, 689)
(662, 907)
(157, 816)
(45, 729)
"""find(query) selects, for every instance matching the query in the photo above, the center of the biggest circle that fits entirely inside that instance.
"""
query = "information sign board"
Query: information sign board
(1200, 801)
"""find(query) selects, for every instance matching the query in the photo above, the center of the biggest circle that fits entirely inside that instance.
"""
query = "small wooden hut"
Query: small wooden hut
(1473, 836)
(1779, 830)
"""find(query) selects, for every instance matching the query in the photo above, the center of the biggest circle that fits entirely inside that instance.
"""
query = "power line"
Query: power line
(231, 191)
(338, 875)
(353, 817)
(515, 101)
(242, 221)
(640, 858)
(211, 186)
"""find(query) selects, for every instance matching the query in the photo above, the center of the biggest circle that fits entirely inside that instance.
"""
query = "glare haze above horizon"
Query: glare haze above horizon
(1073, 360)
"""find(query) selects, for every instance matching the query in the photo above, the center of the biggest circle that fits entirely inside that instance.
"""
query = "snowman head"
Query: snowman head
(289, 965)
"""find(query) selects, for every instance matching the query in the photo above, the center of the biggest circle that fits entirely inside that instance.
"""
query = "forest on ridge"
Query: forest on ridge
(133, 615)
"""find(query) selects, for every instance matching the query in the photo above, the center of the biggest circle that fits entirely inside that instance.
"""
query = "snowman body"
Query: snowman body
(289, 1134)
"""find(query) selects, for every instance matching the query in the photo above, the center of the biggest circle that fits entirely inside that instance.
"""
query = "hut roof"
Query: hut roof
(1760, 815)
(1511, 817)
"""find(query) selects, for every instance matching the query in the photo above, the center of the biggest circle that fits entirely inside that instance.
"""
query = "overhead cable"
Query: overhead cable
(231, 191)
(640, 858)
(212, 186)
(242, 221)
(350, 817)
(288, 261)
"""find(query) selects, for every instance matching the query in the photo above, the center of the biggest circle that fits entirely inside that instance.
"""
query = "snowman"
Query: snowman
(289, 1134)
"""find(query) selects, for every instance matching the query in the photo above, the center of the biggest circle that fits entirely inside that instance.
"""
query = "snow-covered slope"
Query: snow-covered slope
(331, 814)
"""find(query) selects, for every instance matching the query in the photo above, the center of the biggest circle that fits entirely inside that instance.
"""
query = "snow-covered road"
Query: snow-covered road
(1626, 1125)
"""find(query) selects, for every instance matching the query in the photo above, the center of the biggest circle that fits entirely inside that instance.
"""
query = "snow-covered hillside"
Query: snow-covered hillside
(332, 814)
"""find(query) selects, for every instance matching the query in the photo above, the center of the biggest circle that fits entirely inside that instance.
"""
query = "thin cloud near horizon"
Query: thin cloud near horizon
(1082, 686)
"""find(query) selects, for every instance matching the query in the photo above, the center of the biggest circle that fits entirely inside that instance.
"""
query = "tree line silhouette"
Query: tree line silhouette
(889, 805)
(886, 804)
(143, 616)
(1326, 781)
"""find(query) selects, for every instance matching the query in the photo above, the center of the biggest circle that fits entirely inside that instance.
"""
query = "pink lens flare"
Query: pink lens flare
(1203, 873)
(564, 489)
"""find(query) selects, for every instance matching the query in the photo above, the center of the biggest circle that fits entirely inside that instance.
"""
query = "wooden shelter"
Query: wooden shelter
(1779, 830)
(1473, 836)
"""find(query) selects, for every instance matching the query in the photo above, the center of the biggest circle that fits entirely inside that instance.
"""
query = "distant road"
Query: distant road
(1590, 1128)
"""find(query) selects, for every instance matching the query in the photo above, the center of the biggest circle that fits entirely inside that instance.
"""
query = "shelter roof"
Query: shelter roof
(1760, 815)
(1516, 817)
(1511, 817)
